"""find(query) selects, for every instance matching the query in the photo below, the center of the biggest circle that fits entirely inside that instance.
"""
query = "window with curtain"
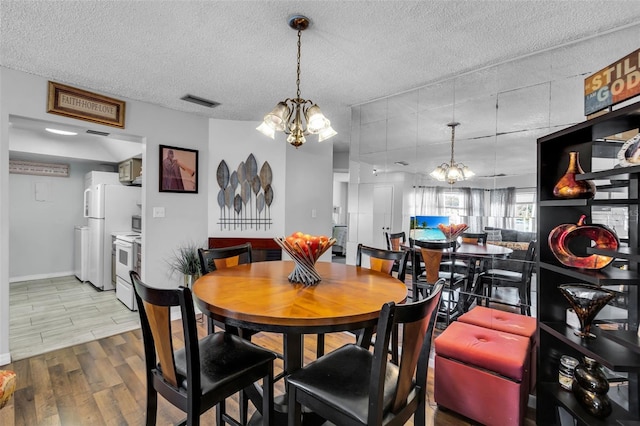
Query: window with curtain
(462, 205)
(525, 210)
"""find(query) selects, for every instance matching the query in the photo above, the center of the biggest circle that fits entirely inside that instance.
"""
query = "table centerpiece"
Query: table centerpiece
(305, 250)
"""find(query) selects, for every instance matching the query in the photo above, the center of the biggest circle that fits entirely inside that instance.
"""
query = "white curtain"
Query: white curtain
(502, 205)
(429, 201)
(475, 209)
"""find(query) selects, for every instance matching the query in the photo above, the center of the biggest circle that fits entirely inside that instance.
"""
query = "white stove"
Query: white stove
(125, 258)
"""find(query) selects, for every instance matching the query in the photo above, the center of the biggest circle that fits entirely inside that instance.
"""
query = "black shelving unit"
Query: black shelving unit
(618, 350)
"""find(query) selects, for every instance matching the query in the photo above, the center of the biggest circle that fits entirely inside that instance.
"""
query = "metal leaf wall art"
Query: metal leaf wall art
(245, 196)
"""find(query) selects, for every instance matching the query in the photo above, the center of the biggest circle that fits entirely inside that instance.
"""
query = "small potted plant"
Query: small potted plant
(185, 260)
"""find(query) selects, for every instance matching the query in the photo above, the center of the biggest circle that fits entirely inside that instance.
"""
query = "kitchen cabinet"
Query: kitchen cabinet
(617, 346)
(130, 170)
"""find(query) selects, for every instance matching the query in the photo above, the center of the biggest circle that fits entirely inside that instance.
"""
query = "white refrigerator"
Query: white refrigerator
(108, 209)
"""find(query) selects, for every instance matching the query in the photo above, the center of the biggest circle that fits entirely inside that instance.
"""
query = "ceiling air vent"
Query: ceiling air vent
(200, 101)
(401, 163)
(95, 132)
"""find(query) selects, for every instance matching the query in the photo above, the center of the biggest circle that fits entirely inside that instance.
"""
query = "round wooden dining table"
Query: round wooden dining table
(258, 296)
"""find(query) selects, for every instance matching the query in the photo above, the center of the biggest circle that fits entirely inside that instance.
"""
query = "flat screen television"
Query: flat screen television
(425, 228)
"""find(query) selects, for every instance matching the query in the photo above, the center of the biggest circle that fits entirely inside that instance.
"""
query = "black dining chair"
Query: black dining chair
(383, 261)
(470, 266)
(353, 386)
(519, 279)
(205, 372)
(431, 254)
(397, 241)
(224, 257)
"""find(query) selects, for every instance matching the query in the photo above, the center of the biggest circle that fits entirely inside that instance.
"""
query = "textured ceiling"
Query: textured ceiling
(243, 54)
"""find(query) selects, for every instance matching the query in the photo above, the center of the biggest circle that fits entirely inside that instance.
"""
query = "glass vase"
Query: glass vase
(590, 387)
(568, 186)
(586, 300)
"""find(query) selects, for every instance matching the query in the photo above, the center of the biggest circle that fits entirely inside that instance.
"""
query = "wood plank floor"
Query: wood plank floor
(67, 377)
(102, 382)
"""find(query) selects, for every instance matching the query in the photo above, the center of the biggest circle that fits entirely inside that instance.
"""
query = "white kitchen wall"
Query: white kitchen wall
(44, 224)
(186, 215)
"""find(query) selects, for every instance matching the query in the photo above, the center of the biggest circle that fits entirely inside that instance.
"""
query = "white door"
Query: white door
(382, 213)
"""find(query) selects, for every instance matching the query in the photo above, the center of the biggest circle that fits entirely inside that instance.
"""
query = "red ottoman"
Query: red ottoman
(521, 325)
(482, 374)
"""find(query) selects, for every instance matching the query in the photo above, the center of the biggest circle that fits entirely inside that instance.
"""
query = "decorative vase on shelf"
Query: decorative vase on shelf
(590, 387)
(568, 186)
(569, 242)
(586, 300)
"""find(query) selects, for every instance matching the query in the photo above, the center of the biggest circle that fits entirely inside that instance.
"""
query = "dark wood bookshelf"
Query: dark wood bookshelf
(617, 350)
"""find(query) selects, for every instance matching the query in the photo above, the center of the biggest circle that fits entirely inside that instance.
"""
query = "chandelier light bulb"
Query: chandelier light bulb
(266, 130)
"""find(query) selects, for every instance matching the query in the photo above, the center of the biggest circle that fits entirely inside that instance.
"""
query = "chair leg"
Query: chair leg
(220, 412)
(193, 413)
(525, 302)
(267, 399)
(152, 405)
(489, 293)
(419, 417)
(295, 410)
(243, 405)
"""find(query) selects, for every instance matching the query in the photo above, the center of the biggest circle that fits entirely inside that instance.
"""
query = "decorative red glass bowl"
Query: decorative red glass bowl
(567, 239)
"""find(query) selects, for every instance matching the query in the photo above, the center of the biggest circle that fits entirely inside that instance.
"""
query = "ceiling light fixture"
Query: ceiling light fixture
(453, 171)
(288, 115)
(60, 132)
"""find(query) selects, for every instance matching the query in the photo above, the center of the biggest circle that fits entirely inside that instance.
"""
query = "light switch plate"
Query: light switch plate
(158, 212)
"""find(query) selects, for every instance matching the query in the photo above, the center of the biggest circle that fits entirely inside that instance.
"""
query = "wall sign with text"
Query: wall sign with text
(83, 105)
(613, 84)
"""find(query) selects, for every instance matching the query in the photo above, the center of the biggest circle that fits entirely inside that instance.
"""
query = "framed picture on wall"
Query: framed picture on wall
(178, 169)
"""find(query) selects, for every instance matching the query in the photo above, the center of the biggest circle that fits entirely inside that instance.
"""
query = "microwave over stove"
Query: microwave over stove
(136, 223)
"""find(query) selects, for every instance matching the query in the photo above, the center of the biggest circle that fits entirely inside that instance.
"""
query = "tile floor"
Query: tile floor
(59, 312)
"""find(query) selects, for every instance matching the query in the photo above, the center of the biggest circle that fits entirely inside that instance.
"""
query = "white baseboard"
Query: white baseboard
(40, 276)
(5, 359)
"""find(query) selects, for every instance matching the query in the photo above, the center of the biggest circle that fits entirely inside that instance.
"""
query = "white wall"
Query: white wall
(185, 214)
(44, 225)
(309, 190)
(233, 142)
(302, 180)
